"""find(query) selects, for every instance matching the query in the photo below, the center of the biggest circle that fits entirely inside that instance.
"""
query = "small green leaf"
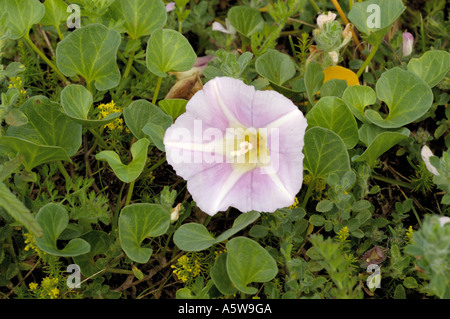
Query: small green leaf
(333, 87)
(19, 17)
(399, 292)
(77, 101)
(18, 211)
(325, 153)
(157, 126)
(169, 51)
(410, 283)
(275, 66)
(245, 20)
(91, 52)
(173, 107)
(407, 96)
(431, 67)
(130, 172)
(333, 113)
(379, 141)
(248, 262)
(358, 97)
(55, 12)
(317, 220)
(324, 206)
(219, 275)
(314, 78)
(140, 221)
(140, 17)
(53, 218)
(100, 243)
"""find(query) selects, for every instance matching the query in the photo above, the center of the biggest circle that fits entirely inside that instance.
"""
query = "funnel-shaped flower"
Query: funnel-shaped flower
(238, 147)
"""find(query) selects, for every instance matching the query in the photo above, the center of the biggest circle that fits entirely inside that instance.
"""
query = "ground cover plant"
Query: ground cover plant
(224, 149)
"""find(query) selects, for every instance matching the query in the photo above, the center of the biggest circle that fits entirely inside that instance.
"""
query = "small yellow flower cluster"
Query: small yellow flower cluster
(320, 187)
(187, 268)
(16, 82)
(48, 290)
(110, 108)
(409, 235)
(295, 204)
(343, 234)
(31, 245)
(219, 252)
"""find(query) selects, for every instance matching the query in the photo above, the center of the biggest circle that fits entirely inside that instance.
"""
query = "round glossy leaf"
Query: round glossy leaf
(407, 96)
(332, 113)
(141, 17)
(140, 221)
(53, 219)
(169, 51)
(91, 52)
(248, 262)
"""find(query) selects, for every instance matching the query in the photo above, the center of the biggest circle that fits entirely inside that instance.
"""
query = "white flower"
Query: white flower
(334, 57)
(175, 213)
(426, 153)
(325, 18)
(444, 220)
(229, 29)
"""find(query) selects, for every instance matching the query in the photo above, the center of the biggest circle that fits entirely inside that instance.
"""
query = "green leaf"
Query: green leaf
(314, 78)
(245, 20)
(141, 17)
(130, 172)
(47, 125)
(91, 52)
(317, 220)
(195, 237)
(431, 67)
(373, 18)
(248, 262)
(77, 101)
(55, 12)
(333, 113)
(100, 243)
(35, 154)
(53, 218)
(410, 283)
(358, 97)
(169, 51)
(407, 96)
(173, 107)
(399, 292)
(379, 141)
(138, 222)
(333, 87)
(275, 66)
(157, 126)
(20, 16)
(219, 276)
(324, 206)
(325, 153)
(18, 211)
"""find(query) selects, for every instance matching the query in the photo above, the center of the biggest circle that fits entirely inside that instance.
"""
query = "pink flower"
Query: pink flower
(238, 147)
(408, 43)
(170, 6)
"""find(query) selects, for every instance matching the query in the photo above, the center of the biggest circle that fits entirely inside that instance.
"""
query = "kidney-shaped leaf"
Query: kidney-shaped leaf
(248, 262)
(314, 78)
(19, 17)
(378, 141)
(432, 66)
(358, 97)
(47, 125)
(169, 51)
(53, 219)
(245, 20)
(127, 172)
(332, 113)
(91, 52)
(325, 153)
(275, 66)
(140, 221)
(141, 17)
(100, 243)
(55, 12)
(138, 114)
(77, 101)
(220, 277)
(407, 96)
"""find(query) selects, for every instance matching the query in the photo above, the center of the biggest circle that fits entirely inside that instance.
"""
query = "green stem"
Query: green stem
(117, 210)
(157, 164)
(314, 5)
(44, 57)
(63, 170)
(130, 193)
(99, 138)
(158, 86)
(308, 193)
(129, 65)
(392, 181)
(120, 271)
(368, 59)
(60, 35)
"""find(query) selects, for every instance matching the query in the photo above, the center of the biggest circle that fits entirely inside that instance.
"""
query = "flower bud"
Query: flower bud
(408, 43)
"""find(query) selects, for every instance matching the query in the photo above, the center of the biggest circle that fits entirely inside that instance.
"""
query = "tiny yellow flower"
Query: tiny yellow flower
(33, 285)
(343, 233)
(294, 205)
(409, 234)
